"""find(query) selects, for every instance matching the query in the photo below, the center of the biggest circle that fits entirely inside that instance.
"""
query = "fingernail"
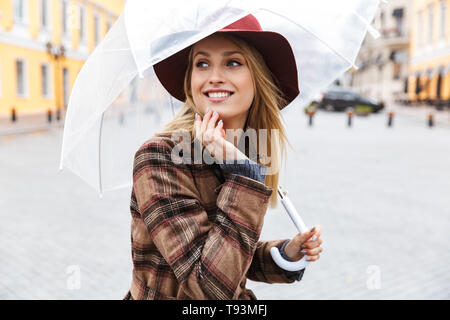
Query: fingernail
(303, 251)
(214, 113)
(207, 109)
(220, 122)
(196, 116)
(303, 246)
(312, 230)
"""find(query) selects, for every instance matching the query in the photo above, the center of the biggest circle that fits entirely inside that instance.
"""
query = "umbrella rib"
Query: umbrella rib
(315, 36)
(372, 30)
(99, 155)
(171, 104)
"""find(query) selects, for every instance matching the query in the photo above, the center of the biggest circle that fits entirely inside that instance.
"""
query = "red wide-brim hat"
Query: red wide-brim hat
(274, 48)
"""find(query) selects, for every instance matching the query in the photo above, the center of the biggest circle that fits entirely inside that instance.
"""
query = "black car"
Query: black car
(339, 99)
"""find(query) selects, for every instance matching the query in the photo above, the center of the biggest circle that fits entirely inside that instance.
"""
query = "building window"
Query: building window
(398, 16)
(396, 71)
(430, 24)
(45, 80)
(45, 23)
(96, 29)
(19, 10)
(382, 22)
(82, 24)
(443, 20)
(64, 9)
(21, 78)
(0, 79)
(419, 35)
(66, 86)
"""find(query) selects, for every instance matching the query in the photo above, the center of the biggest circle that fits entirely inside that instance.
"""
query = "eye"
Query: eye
(198, 64)
(235, 61)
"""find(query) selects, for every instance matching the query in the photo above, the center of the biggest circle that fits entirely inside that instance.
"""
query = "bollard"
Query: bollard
(310, 115)
(121, 118)
(13, 114)
(49, 116)
(350, 115)
(390, 118)
(430, 120)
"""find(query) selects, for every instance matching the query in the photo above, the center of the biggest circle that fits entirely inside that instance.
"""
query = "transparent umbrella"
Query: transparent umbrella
(117, 102)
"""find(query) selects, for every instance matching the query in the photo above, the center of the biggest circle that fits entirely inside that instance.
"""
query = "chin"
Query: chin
(225, 114)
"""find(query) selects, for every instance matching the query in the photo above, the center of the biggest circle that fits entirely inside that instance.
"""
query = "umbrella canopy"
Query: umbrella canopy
(117, 102)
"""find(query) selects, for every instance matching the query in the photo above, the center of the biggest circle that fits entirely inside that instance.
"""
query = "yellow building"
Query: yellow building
(429, 79)
(43, 45)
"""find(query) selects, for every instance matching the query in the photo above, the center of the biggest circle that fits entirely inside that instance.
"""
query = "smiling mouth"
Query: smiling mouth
(218, 98)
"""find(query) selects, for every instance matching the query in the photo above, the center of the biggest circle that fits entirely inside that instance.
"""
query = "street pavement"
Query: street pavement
(380, 194)
(26, 123)
(420, 113)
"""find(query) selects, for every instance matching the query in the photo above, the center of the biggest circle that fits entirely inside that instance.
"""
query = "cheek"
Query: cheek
(195, 86)
(247, 83)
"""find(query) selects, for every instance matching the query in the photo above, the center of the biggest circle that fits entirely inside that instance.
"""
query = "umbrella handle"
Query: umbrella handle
(301, 227)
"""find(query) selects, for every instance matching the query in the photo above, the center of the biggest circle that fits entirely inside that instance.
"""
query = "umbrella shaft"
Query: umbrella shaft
(293, 214)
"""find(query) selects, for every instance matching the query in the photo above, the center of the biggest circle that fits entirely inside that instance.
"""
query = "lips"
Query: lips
(219, 98)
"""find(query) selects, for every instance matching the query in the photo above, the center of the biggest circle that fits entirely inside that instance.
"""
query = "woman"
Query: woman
(196, 226)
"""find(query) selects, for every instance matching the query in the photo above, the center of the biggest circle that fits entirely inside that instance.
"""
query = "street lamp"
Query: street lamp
(55, 51)
(57, 54)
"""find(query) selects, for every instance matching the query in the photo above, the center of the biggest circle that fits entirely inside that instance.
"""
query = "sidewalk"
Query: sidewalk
(39, 122)
(420, 113)
(26, 123)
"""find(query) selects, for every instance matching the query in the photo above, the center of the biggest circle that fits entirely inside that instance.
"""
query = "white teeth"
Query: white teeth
(218, 94)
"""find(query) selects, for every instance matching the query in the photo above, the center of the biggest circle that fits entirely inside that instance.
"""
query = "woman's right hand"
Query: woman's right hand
(213, 138)
(304, 244)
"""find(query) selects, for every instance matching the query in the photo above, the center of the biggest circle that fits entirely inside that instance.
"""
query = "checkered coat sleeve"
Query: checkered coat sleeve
(210, 259)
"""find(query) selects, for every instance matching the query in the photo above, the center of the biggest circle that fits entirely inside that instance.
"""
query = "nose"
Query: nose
(216, 75)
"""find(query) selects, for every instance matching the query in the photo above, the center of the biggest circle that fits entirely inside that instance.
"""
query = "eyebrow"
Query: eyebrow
(225, 54)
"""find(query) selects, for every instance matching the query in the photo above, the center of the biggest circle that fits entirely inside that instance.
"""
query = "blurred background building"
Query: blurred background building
(383, 62)
(429, 78)
(43, 45)
(410, 61)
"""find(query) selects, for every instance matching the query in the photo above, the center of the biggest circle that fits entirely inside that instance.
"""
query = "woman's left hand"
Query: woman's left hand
(213, 137)
(302, 244)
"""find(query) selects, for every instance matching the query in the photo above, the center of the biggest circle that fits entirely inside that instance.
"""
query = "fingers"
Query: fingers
(312, 252)
(212, 121)
(214, 138)
(219, 129)
(208, 126)
(311, 236)
(312, 258)
(312, 244)
(303, 237)
(206, 118)
(317, 231)
(210, 135)
(198, 126)
(218, 150)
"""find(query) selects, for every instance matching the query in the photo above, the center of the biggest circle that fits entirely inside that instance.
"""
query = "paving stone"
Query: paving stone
(381, 195)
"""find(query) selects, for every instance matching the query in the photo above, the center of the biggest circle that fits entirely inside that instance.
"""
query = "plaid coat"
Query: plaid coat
(194, 236)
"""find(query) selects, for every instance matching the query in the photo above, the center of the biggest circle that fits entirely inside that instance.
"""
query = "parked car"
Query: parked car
(339, 99)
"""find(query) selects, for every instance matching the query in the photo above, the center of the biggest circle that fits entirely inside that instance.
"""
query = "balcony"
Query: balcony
(393, 37)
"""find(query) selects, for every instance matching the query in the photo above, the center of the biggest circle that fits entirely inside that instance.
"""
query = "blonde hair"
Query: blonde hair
(264, 112)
